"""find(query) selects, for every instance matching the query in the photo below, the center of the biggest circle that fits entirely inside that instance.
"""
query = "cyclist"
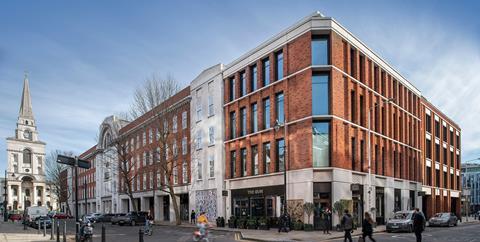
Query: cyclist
(202, 223)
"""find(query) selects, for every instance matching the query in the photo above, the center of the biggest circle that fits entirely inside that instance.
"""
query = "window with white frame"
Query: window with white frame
(150, 136)
(158, 134)
(159, 179)
(166, 152)
(199, 105)
(150, 180)
(198, 140)
(144, 181)
(138, 141)
(174, 148)
(165, 126)
(211, 162)
(144, 159)
(157, 155)
(211, 109)
(138, 183)
(175, 173)
(185, 172)
(144, 137)
(132, 144)
(174, 124)
(211, 135)
(184, 120)
(199, 170)
(184, 146)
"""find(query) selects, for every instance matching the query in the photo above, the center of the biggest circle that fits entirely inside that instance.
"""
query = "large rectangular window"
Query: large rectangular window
(232, 88)
(428, 149)
(253, 78)
(437, 152)
(320, 50)
(279, 67)
(321, 144)
(266, 71)
(254, 118)
(362, 111)
(362, 155)
(354, 154)
(243, 84)
(243, 126)
(353, 106)
(266, 113)
(254, 159)
(353, 62)
(437, 178)
(437, 129)
(233, 158)
(429, 175)
(280, 155)
(279, 107)
(320, 94)
(445, 133)
(243, 159)
(266, 158)
(233, 125)
(428, 123)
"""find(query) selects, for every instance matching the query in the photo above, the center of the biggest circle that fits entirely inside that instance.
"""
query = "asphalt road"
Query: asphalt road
(117, 233)
(464, 233)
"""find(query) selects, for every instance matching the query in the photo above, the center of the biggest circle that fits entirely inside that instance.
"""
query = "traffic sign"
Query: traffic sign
(71, 161)
(66, 160)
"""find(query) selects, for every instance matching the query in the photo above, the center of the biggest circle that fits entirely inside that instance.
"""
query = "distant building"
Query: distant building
(471, 181)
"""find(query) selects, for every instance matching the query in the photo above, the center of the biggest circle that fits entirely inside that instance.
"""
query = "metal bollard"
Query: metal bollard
(38, 226)
(140, 235)
(52, 228)
(44, 228)
(58, 231)
(77, 236)
(64, 231)
(103, 233)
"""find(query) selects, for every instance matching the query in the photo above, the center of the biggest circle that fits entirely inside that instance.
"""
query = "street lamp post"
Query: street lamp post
(5, 216)
(369, 153)
(277, 127)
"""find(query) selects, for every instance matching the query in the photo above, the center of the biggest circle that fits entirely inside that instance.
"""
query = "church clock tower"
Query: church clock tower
(26, 185)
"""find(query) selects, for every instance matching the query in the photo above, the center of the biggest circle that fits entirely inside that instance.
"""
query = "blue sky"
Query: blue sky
(86, 57)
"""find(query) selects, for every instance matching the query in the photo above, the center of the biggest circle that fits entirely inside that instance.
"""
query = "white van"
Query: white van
(31, 213)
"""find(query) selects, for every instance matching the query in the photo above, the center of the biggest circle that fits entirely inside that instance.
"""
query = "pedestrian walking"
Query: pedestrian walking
(418, 224)
(283, 225)
(347, 224)
(193, 218)
(326, 218)
(367, 227)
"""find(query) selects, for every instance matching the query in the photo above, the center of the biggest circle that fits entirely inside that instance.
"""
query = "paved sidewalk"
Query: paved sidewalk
(13, 232)
(273, 235)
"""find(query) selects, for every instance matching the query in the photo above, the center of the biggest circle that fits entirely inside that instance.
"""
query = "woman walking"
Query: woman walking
(367, 227)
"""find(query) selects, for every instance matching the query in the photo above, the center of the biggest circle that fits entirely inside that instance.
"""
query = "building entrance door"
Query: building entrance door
(380, 206)
(166, 208)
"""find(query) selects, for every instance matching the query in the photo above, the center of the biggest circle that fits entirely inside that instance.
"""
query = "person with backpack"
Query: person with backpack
(367, 227)
(347, 224)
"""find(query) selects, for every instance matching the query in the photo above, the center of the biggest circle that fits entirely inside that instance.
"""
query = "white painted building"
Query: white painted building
(26, 183)
(207, 132)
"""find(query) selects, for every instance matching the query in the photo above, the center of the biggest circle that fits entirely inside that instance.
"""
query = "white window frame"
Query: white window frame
(211, 162)
(211, 135)
(184, 146)
(184, 120)
(174, 124)
(185, 172)
(199, 170)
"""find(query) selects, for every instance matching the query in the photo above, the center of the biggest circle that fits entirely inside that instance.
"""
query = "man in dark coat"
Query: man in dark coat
(418, 224)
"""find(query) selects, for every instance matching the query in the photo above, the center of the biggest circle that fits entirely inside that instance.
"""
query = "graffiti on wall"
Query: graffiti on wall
(206, 201)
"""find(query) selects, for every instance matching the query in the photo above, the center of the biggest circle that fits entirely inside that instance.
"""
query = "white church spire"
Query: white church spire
(26, 103)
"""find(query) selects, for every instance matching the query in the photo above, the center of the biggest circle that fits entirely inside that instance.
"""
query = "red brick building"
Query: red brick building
(314, 100)
(144, 145)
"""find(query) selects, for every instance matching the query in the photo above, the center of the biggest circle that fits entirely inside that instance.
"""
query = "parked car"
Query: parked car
(61, 216)
(92, 217)
(39, 221)
(132, 218)
(15, 217)
(31, 213)
(115, 218)
(443, 219)
(106, 217)
(401, 221)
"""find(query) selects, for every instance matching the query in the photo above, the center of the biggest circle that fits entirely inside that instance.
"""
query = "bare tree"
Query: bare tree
(166, 155)
(53, 174)
(154, 91)
(126, 168)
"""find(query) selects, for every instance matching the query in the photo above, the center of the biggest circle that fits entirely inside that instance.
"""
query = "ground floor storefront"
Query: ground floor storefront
(264, 196)
(438, 200)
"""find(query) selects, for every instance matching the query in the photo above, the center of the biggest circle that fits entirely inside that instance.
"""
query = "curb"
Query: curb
(242, 237)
